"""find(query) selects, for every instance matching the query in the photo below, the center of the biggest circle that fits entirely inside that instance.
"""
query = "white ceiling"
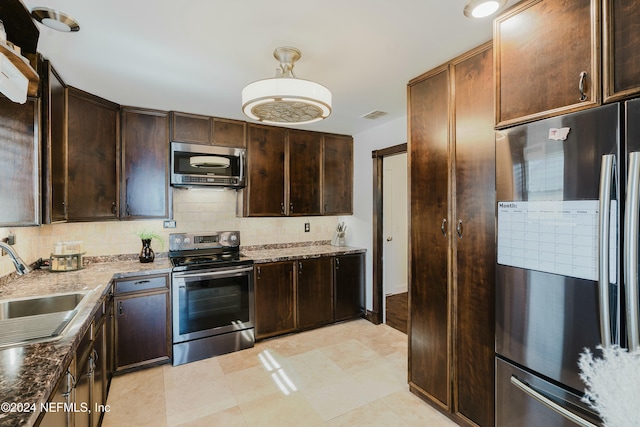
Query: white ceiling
(197, 55)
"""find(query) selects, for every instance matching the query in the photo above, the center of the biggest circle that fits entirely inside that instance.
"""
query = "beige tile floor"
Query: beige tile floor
(349, 374)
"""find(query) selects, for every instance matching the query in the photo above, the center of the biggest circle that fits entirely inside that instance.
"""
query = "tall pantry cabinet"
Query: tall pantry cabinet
(452, 249)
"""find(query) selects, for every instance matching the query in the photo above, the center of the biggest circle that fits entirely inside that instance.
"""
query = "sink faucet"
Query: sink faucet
(21, 266)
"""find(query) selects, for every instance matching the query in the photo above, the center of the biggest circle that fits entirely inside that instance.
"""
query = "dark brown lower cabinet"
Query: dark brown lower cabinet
(142, 322)
(348, 281)
(322, 291)
(83, 385)
(61, 396)
(275, 299)
(314, 292)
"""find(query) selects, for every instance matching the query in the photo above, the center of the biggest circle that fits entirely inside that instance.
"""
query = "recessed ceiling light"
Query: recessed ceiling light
(482, 8)
(55, 20)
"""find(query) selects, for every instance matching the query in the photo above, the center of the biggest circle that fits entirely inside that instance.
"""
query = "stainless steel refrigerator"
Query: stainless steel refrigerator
(567, 222)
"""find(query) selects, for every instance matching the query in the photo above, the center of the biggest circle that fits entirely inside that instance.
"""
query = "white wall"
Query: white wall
(360, 224)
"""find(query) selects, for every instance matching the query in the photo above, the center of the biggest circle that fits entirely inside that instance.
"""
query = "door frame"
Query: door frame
(375, 316)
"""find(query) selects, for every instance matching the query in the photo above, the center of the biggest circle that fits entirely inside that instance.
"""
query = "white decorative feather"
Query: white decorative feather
(613, 385)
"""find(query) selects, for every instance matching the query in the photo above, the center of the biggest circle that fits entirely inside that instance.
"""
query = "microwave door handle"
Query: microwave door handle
(604, 227)
(631, 250)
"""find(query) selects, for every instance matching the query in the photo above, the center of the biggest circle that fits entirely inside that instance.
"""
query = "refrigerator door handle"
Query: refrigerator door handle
(604, 227)
(529, 390)
(631, 249)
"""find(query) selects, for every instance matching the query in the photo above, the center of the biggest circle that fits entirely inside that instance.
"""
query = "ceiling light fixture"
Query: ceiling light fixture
(55, 20)
(482, 8)
(286, 99)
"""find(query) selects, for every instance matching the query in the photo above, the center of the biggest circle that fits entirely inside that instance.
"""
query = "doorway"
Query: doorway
(390, 237)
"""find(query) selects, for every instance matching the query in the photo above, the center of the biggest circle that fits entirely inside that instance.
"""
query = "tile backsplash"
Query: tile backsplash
(195, 210)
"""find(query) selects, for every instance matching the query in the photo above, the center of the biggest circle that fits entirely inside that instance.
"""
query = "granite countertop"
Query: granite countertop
(275, 253)
(29, 373)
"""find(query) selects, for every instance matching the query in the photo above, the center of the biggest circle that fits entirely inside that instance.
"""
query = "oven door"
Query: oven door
(212, 302)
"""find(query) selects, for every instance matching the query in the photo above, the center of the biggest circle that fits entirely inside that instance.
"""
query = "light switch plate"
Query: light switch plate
(169, 224)
(307, 227)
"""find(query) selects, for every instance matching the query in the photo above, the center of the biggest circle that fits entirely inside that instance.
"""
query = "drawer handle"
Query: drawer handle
(583, 77)
(120, 308)
(142, 282)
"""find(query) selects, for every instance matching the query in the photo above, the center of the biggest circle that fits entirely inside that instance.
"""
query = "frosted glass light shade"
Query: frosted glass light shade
(482, 8)
(286, 100)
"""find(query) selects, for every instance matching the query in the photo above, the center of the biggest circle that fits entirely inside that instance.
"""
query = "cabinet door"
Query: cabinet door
(265, 163)
(275, 299)
(142, 330)
(61, 396)
(109, 334)
(542, 47)
(475, 247)
(83, 384)
(19, 163)
(92, 157)
(314, 292)
(337, 183)
(305, 159)
(98, 356)
(620, 47)
(145, 164)
(349, 286)
(54, 146)
(229, 133)
(190, 128)
(428, 150)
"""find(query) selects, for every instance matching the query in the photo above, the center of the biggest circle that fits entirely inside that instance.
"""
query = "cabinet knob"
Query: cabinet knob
(459, 229)
(290, 208)
(114, 209)
(443, 227)
(120, 308)
(282, 208)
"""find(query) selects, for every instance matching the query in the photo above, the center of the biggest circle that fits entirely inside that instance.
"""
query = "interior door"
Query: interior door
(395, 224)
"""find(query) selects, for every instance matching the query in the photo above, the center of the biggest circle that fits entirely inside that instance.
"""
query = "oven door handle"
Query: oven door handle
(224, 272)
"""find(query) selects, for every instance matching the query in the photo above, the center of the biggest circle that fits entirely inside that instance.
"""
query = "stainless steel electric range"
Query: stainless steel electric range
(212, 295)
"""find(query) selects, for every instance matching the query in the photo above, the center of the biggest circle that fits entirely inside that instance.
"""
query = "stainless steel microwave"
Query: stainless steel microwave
(206, 165)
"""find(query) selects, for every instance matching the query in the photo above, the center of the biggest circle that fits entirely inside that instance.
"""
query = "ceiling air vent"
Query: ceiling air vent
(375, 114)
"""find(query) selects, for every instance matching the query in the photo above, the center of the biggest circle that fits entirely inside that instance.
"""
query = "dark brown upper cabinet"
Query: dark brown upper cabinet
(54, 145)
(144, 186)
(305, 162)
(337, 183)
(264, 195)
(547, 59)
(621, 49)
(92, 157)
(285, 170)
(200, 129)
(19, 162)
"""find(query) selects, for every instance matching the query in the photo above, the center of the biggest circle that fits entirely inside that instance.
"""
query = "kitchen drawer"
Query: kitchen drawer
(142, 283)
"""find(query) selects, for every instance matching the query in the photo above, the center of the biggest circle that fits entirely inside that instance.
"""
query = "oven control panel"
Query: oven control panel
(209, 240)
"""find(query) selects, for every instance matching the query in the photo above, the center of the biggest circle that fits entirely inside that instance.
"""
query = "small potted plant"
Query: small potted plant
(146, 253)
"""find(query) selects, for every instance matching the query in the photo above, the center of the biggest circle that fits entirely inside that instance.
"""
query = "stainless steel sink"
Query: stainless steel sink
(37, 319)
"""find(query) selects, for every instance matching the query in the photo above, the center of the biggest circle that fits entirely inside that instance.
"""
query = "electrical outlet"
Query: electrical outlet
(307, 227)
(169, 224)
